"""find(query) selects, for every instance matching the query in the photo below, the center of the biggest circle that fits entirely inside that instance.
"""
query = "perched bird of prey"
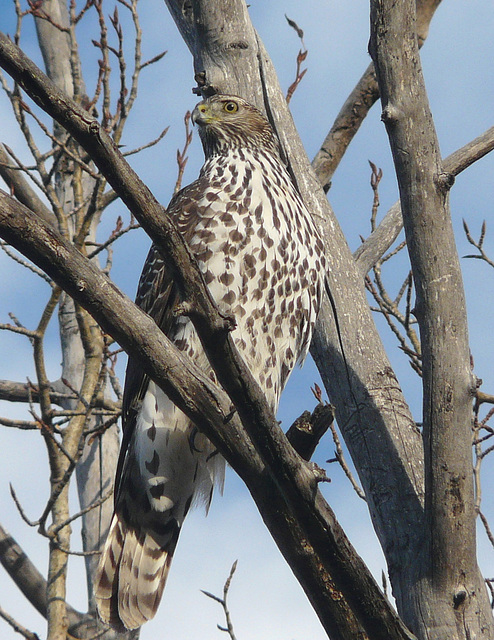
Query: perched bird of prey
(263, 261)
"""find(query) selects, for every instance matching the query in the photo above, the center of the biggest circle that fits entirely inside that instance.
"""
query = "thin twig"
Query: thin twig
(19, 424)
(182, 155)
(478, 244)
(376, 177)
(489, 582)
(301, 56)
(17, 626)
(229, 625)
(22, 513)
(154, 142)
(79, 514)
(114, 236)
(153, 60)
(22, 330)
(487, 528)
(25, 263)
(340, 458)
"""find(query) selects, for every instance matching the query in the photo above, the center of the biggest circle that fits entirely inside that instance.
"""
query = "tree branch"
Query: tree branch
(12, 391)
(357, 106)
(390, 226)
(21, 188)
(30, 581)
(223, 602)
(16, 626)
(301, 514)
(307, 430)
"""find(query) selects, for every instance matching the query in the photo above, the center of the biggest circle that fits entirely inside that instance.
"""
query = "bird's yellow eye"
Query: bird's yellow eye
(230, 107)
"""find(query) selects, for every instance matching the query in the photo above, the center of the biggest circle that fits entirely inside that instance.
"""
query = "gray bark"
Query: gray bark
(375, 420)
(446, 569)
(372, 413)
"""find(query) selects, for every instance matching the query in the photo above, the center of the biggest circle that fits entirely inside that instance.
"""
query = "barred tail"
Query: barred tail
(132, 573)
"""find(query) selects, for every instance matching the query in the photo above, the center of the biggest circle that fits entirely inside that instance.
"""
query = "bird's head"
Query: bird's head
(227, 122)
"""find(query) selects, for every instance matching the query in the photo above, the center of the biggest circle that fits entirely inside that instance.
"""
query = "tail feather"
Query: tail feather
(168, 466)
(105, 582)
(132, 574)
(153, 572)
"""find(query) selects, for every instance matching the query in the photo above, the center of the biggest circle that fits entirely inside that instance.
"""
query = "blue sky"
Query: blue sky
(266, 601)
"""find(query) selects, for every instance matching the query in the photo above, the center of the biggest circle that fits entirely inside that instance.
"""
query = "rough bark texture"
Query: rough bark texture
(376, 423)
(451, 600)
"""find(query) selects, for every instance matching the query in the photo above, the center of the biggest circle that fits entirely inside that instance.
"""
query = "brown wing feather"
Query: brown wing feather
(157, 295)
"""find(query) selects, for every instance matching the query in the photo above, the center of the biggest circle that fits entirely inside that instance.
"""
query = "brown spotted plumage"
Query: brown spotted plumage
(263, 261)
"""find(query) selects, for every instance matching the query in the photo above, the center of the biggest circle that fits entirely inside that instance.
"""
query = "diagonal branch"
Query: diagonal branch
(16, 626)
(28, 579)
(302, 523)
(390, 226)
(357, 106)
(21, 188)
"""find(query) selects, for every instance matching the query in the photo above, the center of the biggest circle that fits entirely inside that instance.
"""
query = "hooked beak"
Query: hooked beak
(201, 115)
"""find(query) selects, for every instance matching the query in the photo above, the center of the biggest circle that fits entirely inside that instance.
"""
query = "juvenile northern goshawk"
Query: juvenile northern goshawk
(262, 259)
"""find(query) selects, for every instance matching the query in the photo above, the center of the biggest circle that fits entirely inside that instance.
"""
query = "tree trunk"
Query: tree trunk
(448, 580)
(384, 442)
(382, 437)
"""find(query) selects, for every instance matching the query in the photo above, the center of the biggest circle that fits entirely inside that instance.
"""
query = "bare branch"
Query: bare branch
(484, 397)
(22, 190)
(21, 330)
(126, 154)
(478, 244)
(24, 263)
(307, 430)
(22, 513)
(182, 155)
(223, 601)
(117, 233)
(302, 55)
(19, 424)
(79, 514)
(487, 528)
(153, 60)
(29, 580)
(340, 459)
(386, 233)
(17, 627)
(28, 392)
(358, 105)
